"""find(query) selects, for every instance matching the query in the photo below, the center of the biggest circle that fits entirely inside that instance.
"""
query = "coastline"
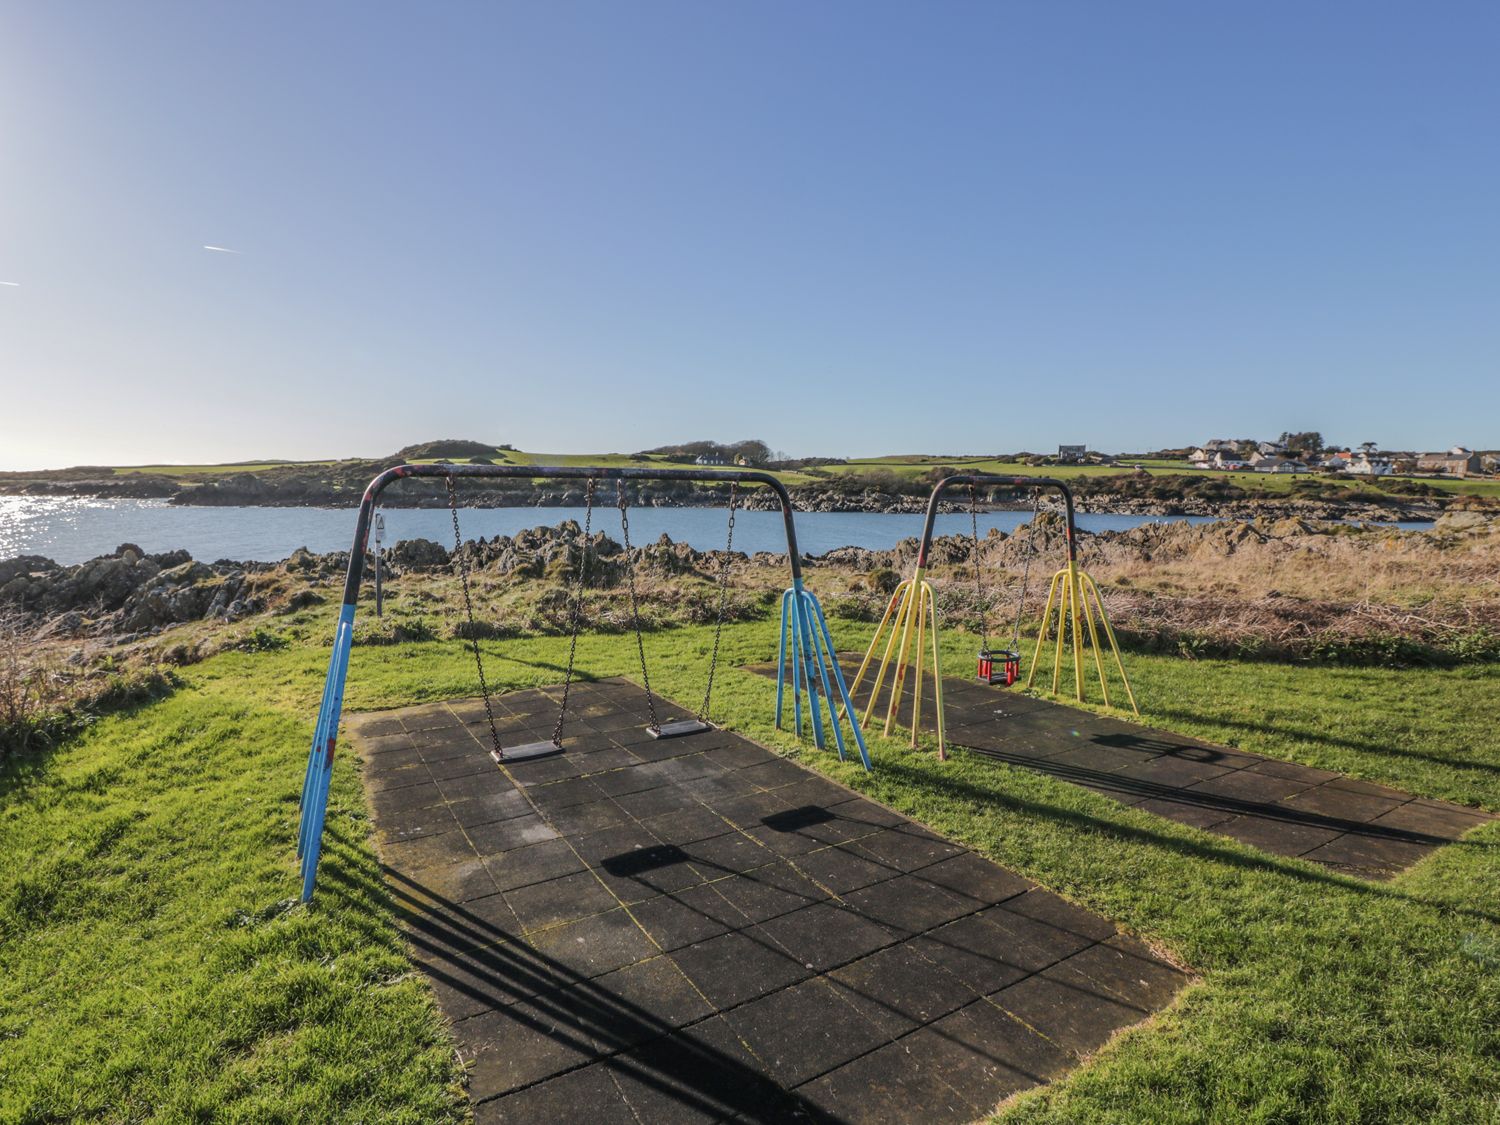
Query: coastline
(253, 491)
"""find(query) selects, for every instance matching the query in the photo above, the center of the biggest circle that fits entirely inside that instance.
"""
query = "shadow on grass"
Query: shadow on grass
(1099, 753)
(1363, 746)
(1112, 784)
(949, 788)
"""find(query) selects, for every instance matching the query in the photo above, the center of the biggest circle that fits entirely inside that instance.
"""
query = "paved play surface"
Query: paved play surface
(696, 929)
(1370, 831)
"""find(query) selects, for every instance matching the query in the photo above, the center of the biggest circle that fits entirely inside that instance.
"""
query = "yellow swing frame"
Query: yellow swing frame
(911, 601)
(1072, 591)
(911, 615)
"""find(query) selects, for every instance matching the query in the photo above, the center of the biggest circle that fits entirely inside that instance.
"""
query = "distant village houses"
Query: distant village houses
(1275, 462)
(1458, 462)
(1369, 460)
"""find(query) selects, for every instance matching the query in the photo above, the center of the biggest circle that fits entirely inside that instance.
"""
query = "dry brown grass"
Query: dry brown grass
(1284, 590)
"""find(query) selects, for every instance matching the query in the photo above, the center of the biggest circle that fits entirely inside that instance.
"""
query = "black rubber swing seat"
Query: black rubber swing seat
(680, 728)
(501, 755)
(525, 752)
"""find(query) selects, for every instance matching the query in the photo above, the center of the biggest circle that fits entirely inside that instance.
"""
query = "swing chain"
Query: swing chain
(463, 577)
(635, 608)
(713, 663)
(1036, 510)
(984, 627)
(577, 615)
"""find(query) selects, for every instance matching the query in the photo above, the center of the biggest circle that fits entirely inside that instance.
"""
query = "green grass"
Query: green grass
(517, 457)
(213, 470)
(158, 968)
(1465, 487)
(903, 465)
(914, 465)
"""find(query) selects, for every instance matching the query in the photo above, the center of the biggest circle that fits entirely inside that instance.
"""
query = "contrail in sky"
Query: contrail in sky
(221, 249)
(12, 284)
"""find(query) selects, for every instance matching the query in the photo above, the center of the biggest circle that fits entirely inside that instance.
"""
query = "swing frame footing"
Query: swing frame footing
(526, 751)
(680, 729)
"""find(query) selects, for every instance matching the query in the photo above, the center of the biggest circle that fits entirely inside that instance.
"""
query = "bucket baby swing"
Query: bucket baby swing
(999, 666)
(805, 639)
(901, 638)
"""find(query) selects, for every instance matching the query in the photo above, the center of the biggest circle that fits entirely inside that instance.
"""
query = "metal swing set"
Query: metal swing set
(805, 641)
(1074, 604)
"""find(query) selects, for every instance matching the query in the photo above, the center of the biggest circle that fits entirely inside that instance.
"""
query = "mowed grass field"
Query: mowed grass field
(158, 966)
(900, 465)
(212, 470)
(918, 464)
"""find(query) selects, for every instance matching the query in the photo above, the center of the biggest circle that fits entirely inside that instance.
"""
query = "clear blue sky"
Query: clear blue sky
(841, 227)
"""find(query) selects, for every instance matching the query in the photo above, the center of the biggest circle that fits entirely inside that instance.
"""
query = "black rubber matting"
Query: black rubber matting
(1362, 829)
(695, 929)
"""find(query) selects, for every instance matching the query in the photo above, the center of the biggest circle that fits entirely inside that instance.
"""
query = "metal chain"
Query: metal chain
(1036, 509)
(583, 566)
(713, 662)
(463, 575)
(984, 626)
(635, 607)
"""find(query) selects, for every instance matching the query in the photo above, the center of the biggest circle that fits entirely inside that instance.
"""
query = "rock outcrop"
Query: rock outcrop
(126, 591)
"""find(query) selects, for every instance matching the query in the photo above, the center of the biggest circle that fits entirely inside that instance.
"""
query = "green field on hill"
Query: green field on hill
(900, 466)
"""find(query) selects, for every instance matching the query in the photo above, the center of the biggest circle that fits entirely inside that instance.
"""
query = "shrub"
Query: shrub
(1476, 646)
(40, 706)
(392, 632)
(261, 640)
(181, 655)
(482, 630)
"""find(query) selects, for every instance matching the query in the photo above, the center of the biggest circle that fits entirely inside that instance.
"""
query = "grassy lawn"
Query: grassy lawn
(902, 465)
(913, 465)
(212, 470)
(916, 466)
(158, 967)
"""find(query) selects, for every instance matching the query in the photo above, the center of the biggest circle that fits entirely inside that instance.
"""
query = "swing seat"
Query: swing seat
(680, 728)
(525, 752)
(999, 667)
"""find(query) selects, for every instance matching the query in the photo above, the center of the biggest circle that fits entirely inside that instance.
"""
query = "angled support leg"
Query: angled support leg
(784, 636)
(805, 652)
(838, 679)
(320, 764)
(809, 660)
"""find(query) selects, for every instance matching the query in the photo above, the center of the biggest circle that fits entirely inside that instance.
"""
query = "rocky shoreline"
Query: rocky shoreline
(251, 490)
(129, 593)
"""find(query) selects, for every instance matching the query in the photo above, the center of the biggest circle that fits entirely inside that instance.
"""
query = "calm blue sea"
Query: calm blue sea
(72, 529)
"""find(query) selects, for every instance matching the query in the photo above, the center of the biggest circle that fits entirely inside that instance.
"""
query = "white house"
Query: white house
(1366, 465)
(1271, 464)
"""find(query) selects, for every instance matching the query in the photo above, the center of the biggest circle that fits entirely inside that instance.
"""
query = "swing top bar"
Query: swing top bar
(569, 472)
(988, 479)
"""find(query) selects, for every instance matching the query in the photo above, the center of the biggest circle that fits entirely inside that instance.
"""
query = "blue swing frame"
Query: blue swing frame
(804, 631)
